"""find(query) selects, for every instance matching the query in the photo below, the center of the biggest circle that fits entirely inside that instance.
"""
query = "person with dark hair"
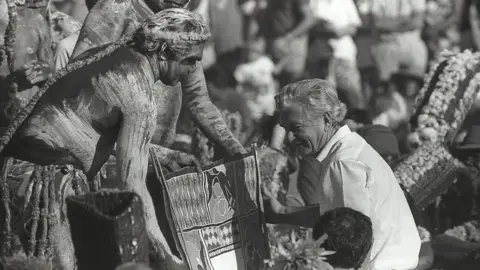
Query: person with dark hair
(350, 235)
(357, 118)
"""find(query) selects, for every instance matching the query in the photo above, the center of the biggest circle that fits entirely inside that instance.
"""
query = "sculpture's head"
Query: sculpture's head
(159, 5)
(176, 37)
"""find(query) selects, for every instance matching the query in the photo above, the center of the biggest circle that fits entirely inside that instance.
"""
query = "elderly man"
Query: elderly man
(340, 169)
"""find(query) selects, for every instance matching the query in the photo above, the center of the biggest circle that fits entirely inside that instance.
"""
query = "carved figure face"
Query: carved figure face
(159, 5)
(177, 68)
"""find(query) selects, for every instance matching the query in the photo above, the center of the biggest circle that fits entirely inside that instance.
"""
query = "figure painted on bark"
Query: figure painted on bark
(108, 20)
(107, 97)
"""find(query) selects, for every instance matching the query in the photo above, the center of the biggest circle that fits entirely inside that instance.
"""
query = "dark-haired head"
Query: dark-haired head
(360, 116)
(350, 235)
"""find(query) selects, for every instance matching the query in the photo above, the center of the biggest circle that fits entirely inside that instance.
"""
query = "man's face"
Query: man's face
(307, 131)
(159, 5)
(180, 67)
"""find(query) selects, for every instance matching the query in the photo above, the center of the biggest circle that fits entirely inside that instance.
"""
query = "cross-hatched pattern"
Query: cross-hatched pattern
(220, 236)
(207, 212)
(188, 201)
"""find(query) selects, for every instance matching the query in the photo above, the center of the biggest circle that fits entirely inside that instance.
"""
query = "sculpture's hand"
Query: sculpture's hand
(35, 71)
(181, 159)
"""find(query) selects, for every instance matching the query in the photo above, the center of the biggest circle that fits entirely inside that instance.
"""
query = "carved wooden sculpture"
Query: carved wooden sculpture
(108, 20)
(107, 97)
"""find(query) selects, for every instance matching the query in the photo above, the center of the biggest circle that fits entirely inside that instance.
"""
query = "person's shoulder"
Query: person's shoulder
(348, 148)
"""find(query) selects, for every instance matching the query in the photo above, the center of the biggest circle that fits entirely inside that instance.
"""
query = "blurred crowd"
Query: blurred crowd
(375, 52)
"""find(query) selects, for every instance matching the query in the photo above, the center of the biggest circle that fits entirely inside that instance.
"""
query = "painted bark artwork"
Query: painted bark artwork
(217, 217)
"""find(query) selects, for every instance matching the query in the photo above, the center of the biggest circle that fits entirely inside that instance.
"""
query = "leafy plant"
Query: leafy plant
(299, 253)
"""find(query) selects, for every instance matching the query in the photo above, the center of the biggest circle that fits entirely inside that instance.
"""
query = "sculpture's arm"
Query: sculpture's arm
(205, 114)
(104, 24)
(136, 131)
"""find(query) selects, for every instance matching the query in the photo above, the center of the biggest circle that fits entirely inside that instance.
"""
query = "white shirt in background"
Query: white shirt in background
(340, 13)
(392, 9)
(356, 176)
(64, 50)
(259, 74)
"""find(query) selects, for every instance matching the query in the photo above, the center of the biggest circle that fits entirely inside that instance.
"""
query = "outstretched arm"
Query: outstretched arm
(205, 114)
(136, 131)
(104, 24)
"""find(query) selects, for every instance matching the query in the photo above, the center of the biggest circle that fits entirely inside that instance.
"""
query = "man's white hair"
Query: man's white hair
(316, 97)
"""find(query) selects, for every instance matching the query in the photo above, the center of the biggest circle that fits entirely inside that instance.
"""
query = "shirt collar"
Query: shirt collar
(340, 134)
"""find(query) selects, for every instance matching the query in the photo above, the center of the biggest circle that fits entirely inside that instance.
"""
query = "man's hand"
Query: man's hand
(35, 71)
(275, 205)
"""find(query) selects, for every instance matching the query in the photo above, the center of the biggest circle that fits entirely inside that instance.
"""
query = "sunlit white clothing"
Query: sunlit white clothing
(354, 175)
(257, 84)
(340, 13)
(64, 50)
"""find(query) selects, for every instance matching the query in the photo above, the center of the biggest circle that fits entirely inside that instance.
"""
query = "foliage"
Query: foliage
(298, 250)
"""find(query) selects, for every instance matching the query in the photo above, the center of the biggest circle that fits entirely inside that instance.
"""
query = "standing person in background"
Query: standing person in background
(396, 28)
(284, 24)
(442, 21)
(226, 24)
(471, 23)
(339, 21)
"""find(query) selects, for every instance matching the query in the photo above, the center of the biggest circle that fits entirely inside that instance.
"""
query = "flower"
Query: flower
(297, 252)
(447, 96)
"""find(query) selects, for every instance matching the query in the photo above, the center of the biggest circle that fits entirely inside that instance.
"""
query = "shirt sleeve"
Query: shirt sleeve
(349, 185)
(308, 180)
